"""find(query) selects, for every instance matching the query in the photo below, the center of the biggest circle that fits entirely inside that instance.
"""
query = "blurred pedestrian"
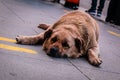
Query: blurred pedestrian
(73, 4)
(113, 14)
(93, 9)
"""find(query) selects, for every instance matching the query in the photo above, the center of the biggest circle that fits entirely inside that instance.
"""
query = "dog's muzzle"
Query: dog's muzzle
(54, 52)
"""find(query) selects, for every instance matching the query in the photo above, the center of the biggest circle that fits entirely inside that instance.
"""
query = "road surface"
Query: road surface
(29, 62)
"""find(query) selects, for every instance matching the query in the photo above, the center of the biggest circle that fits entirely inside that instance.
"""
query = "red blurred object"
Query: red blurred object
(73, 1)
(73, 4)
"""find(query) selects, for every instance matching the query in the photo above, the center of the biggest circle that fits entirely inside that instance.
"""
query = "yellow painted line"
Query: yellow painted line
(7, 39)
(3, 46)
(113, 33)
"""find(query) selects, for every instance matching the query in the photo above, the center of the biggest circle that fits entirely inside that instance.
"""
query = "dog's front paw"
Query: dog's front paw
(18, 39)
(95, 61)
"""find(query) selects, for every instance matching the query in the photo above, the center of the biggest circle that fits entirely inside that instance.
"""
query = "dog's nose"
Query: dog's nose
(54, 52)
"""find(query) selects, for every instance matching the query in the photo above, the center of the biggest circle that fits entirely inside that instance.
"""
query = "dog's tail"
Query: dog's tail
(43, 26)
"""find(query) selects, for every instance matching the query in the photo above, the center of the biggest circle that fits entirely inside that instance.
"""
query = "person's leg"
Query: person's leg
(93, 5)
(92, 10)
(111, 12)
(100, 7)
(117, 12)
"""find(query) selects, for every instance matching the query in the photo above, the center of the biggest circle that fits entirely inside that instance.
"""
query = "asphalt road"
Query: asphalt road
(29, 62)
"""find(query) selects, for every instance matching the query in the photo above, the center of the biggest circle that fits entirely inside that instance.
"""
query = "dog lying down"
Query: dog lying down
(74, 35)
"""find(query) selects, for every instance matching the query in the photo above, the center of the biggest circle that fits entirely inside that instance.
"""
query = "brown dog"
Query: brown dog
(73, 35)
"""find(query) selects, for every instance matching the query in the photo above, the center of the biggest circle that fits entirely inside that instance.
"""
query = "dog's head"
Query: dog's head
(61, 43)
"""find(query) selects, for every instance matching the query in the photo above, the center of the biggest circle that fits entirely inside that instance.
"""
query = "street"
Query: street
(29, 62)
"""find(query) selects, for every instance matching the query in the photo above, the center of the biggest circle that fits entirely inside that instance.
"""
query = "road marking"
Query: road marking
(3, 46)
(113, 33)
(7, 39)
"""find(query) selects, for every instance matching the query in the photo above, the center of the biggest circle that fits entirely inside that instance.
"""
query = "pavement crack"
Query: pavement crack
(79, 69)
(12, 11)
(108, 71)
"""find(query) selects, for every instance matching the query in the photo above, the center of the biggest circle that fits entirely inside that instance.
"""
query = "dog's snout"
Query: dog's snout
(54, 52)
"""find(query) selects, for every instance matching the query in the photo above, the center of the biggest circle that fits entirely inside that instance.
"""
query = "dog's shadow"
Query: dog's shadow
(78, 61)
(81, 62)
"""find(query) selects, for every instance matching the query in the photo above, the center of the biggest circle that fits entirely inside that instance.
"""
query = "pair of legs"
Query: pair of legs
(94, 5)
(93, 9)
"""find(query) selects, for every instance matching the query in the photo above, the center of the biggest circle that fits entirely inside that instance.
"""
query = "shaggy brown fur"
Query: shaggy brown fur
(73, 35)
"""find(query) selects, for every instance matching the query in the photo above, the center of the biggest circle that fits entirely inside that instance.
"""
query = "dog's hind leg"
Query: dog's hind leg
(30, 39)
(43, 26)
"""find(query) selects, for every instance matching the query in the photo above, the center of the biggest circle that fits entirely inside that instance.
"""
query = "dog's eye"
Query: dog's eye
(65, 44)
(54, 39)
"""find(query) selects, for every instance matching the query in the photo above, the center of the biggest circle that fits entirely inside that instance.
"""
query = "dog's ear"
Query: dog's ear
(43, 26)
(78, 44)
(48, 34)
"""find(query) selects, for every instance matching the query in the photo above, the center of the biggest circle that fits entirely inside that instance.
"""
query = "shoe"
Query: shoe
(91, 12)
(74, 7)
(99, 13)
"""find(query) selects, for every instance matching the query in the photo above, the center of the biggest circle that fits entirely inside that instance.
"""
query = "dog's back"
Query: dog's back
(83, 23)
